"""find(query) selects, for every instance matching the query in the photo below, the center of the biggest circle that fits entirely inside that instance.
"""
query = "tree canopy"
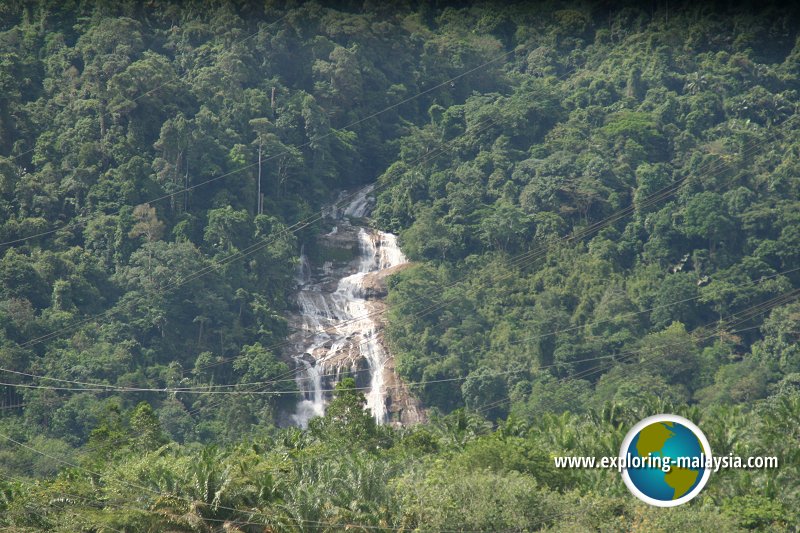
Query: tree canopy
(601, 205)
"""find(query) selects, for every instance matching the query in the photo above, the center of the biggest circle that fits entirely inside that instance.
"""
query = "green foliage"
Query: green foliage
(146, 427)
(346, 420)
(535, 328)
(477, 500)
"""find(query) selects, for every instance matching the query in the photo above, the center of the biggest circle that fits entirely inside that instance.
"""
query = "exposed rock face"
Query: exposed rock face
(340, 319)
(374, 283)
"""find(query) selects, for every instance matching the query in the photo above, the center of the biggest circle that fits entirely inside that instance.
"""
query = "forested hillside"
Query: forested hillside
(602, 207)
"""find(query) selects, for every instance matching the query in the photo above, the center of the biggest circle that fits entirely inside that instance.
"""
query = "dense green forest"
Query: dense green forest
(602, 207)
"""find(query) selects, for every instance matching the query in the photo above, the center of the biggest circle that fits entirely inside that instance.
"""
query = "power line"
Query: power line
(301, 224)
(649, 201)
(62, 495)
(760, 309)
(531, 255)
(744, 316)
(618, 357)
(537, 253)
(99, 387)
(105, 389)
(298, 226)
(428, 156)
(221, 262)
(527, 257)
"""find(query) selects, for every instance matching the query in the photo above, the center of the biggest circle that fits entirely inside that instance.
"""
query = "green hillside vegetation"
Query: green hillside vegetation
(602, 207)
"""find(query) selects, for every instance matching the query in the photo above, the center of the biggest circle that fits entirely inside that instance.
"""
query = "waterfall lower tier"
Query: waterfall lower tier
(339, 323)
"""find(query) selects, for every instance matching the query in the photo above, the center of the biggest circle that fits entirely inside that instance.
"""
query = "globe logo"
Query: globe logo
(665, 460)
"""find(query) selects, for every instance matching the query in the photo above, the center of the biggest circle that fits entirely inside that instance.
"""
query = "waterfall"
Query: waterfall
(336, 336)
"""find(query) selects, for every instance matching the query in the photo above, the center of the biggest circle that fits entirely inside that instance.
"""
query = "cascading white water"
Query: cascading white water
(336, 334)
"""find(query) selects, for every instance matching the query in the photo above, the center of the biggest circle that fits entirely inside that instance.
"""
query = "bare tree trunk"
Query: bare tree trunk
(101, 111)
(258, 198)
(186, 186)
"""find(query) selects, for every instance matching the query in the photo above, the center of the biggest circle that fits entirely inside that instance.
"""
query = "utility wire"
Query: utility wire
(523, 259)
(533, 255)
(749, 314)
(616, 357)
(106, 389)
(520, 260)
(647, 202)
(743, 316)
(296, 227)
(221, 262)
(94, 386)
